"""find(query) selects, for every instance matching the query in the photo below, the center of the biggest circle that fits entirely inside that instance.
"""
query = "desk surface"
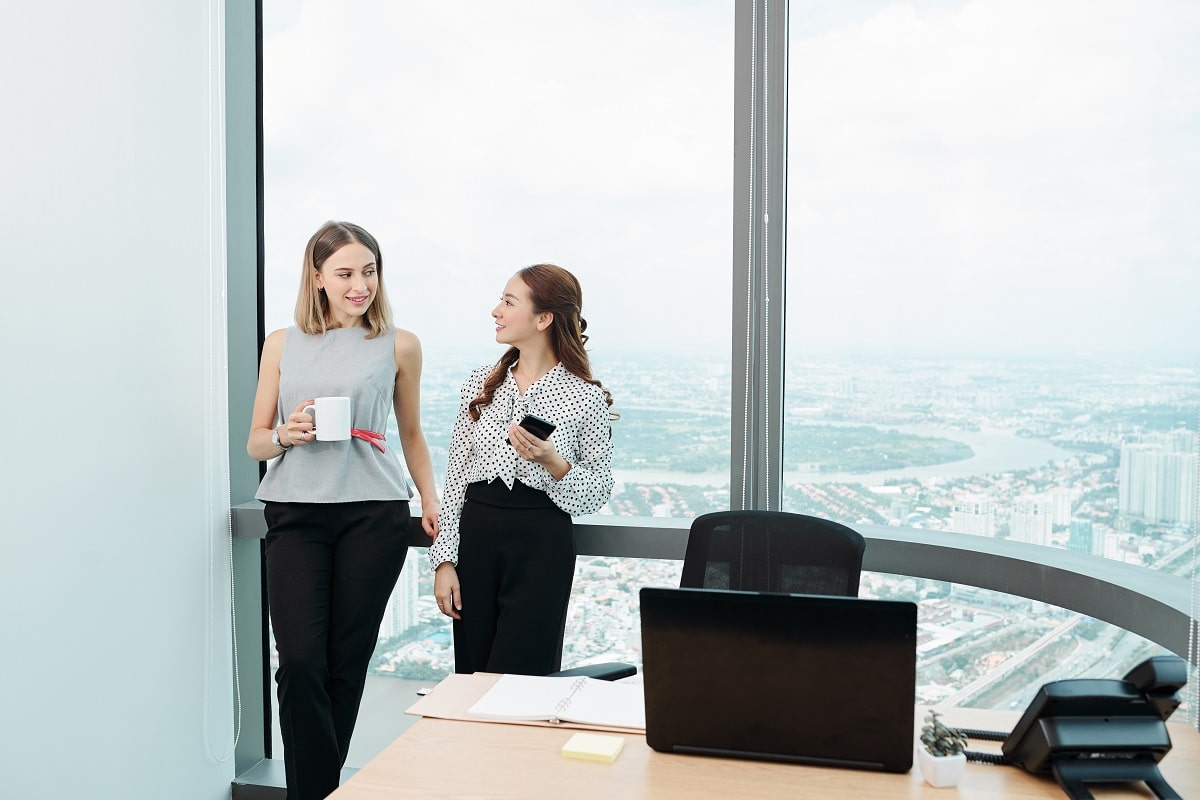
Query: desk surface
(458, 759)
(450, 758)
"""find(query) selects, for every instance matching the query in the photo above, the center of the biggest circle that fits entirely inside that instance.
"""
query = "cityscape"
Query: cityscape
(921, 215)
(1100, 459)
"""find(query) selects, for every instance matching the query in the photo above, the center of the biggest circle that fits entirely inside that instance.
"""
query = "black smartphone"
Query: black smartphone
(541, 428)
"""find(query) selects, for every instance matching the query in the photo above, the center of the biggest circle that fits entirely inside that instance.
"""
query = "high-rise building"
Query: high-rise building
(1175, 501)
(1085, 538)
(898, 512)
(401, 612)
(1032, 520)
(1061, 505)
(973, 514)
(1179, 441)
(1157, 478)
(1137, 481)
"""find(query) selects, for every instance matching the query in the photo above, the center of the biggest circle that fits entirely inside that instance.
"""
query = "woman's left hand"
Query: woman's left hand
(429, 515)
(539, 451)
(528, 446)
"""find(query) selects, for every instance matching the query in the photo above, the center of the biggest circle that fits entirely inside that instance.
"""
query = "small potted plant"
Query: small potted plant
(941, 755)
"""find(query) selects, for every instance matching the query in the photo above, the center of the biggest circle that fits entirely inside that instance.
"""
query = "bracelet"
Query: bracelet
(275, 441)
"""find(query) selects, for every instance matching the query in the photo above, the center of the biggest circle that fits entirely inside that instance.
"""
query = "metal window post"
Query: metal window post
(760, 182)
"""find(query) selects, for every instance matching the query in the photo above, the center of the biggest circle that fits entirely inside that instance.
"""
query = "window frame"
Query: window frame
(1147, 603)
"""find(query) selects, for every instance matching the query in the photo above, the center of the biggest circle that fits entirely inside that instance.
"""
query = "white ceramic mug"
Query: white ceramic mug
(331, 418)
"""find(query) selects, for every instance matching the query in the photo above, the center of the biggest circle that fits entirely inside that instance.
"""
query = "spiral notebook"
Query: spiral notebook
(779, 677)
(582, 700)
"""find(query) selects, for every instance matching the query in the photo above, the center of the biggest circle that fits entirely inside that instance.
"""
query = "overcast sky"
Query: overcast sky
(996, 177)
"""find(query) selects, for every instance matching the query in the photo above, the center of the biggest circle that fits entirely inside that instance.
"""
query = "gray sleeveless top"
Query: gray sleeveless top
(338, 363)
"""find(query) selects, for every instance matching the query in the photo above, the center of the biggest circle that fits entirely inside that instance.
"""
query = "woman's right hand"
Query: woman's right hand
(445, 590)
(297, 428)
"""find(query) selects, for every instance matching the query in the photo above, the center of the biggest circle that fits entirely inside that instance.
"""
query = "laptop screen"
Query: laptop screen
(782, 677)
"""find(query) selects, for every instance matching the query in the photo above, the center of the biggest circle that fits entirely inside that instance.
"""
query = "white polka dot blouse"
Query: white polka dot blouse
(479, 450)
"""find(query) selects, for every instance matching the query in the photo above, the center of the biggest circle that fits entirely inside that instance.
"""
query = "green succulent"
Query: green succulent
(940, 739)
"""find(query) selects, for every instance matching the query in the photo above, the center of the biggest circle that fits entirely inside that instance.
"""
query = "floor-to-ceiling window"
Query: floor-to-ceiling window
(475, 138)
(992, 285)
(987, 269)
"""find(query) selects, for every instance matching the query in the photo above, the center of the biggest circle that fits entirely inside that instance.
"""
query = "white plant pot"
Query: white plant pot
(941, 771)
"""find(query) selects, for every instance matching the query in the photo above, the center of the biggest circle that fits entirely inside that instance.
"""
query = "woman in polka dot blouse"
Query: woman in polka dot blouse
(504, 557)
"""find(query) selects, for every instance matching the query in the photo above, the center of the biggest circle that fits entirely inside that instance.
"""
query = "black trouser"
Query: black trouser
(330, 570)
(516, 563)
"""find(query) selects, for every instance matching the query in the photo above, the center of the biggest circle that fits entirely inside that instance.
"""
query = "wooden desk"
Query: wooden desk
(450, 758)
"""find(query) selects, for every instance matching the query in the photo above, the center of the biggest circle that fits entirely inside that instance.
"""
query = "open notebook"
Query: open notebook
(583, 700)
(804, 678)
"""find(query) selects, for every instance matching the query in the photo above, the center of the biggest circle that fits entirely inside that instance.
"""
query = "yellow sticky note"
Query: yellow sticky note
(593, 747)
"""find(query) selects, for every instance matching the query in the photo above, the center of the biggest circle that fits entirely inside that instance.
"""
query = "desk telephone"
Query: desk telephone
(1096, 731)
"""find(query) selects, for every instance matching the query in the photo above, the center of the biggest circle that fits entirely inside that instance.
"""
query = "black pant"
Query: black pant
(330, 570)
(515, 566)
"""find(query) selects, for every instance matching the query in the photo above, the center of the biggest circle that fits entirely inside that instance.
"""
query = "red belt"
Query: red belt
(376, 439)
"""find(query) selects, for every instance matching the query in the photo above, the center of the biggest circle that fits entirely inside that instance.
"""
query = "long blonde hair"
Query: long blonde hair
(312, 306)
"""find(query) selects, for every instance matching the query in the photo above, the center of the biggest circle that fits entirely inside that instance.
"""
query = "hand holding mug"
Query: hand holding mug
(330, 417)
(298, 427)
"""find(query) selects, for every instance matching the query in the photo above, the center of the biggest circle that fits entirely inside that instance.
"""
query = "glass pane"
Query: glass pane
(992, 280)
(982, 649)
(474, 139)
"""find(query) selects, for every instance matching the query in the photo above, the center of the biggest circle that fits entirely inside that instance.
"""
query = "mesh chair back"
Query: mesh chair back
(772, 551)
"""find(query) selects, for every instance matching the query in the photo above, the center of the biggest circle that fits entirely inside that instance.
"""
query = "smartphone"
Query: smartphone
(539, 427)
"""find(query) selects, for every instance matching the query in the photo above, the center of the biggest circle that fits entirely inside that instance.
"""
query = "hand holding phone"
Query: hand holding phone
(543, 454)
(541, 428)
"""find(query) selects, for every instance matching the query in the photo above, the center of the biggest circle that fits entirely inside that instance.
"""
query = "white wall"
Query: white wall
(114, 662)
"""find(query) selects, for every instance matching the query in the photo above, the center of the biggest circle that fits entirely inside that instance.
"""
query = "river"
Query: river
(995, 451)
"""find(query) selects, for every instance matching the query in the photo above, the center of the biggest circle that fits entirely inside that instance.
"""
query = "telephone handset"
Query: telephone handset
(1098, 731)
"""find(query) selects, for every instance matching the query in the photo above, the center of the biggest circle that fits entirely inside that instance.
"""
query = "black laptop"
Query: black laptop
(780, 677)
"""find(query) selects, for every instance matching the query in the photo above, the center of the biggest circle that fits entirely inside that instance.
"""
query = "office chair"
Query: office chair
(607, 671)
(772, 551)
(762, 551)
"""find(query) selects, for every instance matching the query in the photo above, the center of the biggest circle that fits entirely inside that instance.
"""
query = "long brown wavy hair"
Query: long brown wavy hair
(552, 289)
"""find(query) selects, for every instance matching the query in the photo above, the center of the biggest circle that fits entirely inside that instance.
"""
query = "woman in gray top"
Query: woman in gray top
(337, 511)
